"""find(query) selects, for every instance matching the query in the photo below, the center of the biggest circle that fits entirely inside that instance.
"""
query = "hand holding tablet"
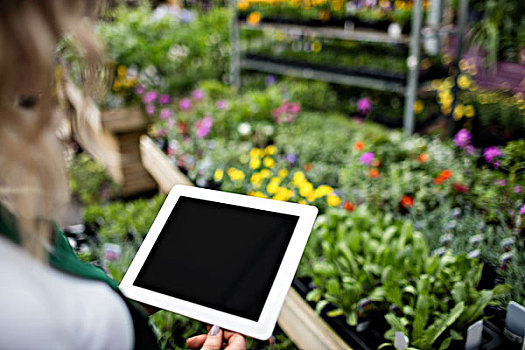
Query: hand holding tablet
(221, 258)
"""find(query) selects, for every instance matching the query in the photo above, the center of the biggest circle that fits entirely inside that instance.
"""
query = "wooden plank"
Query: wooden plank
(160, 167)
(123, 120)
(307, 329)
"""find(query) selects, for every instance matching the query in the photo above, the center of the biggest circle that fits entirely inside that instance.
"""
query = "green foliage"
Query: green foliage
(89, 180)
(367, 256)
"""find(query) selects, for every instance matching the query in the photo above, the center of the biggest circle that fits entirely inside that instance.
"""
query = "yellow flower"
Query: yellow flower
(283, 194)
(270, 150)
(255, 163)
(469, 111)
(282, 173)
(418, 106)
(257, 194)
(265, 173)
(243, 5)
(255, 152)
(316, 47)
(272, 187)
(121, 71)
(435, 84)
(256, 179)
(302, 201)
(458, 112)
(298, 178)
(231, 171)
(464, 81)
(333, 200)
(219, 173)
(311, 196)
(306, 189)
(235, 174)
(464, 64)
(268, 162)
(254, 18)
(323, 190)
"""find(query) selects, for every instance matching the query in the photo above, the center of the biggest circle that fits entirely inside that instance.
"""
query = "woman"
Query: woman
(48, 297)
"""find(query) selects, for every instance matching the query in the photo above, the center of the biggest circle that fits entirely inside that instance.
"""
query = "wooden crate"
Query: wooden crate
(112, 137)
(297, 319)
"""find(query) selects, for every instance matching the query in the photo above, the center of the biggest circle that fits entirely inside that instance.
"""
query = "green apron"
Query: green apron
(63, 258)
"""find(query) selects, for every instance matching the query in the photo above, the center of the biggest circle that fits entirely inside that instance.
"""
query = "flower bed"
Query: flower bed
(379, 182)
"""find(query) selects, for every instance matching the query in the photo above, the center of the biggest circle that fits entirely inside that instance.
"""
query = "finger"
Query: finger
(236, 342)
(214, 339)
(196, 342)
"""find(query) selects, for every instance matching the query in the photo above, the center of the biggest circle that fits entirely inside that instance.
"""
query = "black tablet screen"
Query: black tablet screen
(218, 255)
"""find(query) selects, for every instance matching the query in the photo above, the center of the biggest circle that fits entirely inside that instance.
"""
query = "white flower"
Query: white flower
(244, 129)
(268, 130)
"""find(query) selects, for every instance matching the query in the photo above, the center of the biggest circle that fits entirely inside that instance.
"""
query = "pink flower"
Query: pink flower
(294, 108)
(162, 132)
(522, 210)
(164, 99)
(366, 158)
(203, 126)
(150, 109)
(364, 105)
(165, 113)
(185, 104)
(501, 182)
(149, 97)
(517, 189)
(469, 149)
(222, 104)
(462, 138)
(197, 94)
(171, 122)
(491, 153)
(139, 89)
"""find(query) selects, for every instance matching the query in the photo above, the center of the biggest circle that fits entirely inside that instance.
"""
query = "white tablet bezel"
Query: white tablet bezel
(261, 329)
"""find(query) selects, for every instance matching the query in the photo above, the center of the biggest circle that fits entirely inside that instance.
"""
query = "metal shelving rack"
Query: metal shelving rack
(378, 83)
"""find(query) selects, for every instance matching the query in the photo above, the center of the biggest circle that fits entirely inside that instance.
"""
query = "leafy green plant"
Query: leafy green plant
(89, 180)
(374, 257)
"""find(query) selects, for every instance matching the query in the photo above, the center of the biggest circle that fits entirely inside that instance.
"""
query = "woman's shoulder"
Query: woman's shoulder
(41, 305)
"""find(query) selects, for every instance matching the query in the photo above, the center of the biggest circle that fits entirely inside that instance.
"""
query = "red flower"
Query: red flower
(443, 176)
(459, 187)
(407, 201)
(423, 157)
(359, 145)
(373, 173)
(349, 206)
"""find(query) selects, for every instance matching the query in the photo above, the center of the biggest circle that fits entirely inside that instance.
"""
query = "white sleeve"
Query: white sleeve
(43, 308)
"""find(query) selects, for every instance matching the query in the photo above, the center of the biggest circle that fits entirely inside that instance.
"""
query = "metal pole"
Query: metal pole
(235, 72)
(431, 40)
(463, 18)
(413, 67)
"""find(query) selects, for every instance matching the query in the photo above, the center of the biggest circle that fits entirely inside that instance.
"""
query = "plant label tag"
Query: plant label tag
(474, 336)
(515, 321)
(401, 342)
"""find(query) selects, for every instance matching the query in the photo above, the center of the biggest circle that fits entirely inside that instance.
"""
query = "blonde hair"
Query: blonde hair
(33, 181)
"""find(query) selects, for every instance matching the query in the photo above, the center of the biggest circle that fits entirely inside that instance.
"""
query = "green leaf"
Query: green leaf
(314, 295)
(351, 319)
(443, 322)
(334, 313)
(421, 317)
(321, 305)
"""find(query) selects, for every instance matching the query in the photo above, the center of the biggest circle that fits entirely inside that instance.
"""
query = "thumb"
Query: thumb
(214, 339)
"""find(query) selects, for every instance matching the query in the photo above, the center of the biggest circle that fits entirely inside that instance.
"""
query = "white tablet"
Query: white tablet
(221, 258)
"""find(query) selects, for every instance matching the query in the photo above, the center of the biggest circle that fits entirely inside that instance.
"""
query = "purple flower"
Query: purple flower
(291, 158)
(171, 122)
(203, 126)
(270, 80)
(522, 210)
(139, 89)
(364, 105)
(462, 138)
(366, 158)
(222, 104)
(164, 99)
(165, 113)
(469, 149)
(197, 94)
(517, 189)
(501, 182)
(185, 104)
(149, 97)
(491, 153)
(150, 109)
